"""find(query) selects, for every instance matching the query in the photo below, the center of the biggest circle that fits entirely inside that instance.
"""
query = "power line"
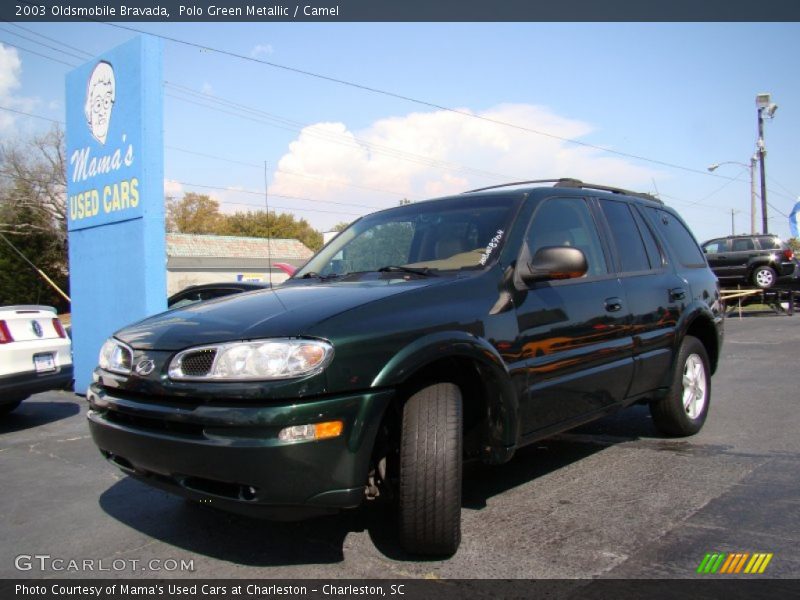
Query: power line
(41, 35)
(30, 39)
(37, 53)
(27, 114)
(284, 171)
(352, 142)
(409, 99)
(273, 195)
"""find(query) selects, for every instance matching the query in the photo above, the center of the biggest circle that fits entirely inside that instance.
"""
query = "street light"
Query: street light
(752, 169)
(765, 107)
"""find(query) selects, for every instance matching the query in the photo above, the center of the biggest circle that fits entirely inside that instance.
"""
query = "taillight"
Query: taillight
(788, 254)
(59, 328)
(5, 334)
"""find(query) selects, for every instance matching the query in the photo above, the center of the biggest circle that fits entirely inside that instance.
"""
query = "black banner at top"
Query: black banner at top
(399, 10)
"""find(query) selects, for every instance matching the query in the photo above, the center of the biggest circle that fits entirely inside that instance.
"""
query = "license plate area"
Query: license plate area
(44, 363)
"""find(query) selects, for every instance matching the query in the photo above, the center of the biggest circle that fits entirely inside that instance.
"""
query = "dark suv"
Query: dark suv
(759, 260)
(455, 329)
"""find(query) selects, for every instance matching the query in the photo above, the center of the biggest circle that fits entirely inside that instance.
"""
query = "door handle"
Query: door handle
(677, 294)
(613, 304)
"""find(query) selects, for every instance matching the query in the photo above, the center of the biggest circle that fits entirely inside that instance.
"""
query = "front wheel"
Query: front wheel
(764, 277)
(684, 409)
(430, 471)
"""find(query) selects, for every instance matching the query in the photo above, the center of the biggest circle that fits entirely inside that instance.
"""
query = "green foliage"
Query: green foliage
(198, 213)
(194, 213)
(794, 244)
(19, 282)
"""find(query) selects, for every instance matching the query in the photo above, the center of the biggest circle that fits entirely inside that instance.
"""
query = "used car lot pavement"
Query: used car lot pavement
(610, 499)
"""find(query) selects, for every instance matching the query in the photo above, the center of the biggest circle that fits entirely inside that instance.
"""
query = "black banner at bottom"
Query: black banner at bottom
(732, 588)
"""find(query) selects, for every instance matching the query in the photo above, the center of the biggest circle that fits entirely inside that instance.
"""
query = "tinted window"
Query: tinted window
(678, 237)
(627, 239)
(568, 222)
(743, 245)
(716, 247)
(464, 232)
(769, 243)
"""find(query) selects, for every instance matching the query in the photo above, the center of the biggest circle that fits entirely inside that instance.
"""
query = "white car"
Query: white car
(35, 354)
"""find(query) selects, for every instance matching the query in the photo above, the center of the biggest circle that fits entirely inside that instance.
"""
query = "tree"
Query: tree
(33, 219)
(194, 213)
(261, 224)
(341, 226)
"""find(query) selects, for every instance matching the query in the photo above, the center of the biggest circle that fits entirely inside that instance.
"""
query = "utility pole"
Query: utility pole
(765, 107)
(753, 161)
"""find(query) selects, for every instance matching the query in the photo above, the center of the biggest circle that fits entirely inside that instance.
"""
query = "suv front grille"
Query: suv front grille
(198, 364)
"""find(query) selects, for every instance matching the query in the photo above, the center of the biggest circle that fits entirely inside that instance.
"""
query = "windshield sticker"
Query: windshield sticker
(493, 243)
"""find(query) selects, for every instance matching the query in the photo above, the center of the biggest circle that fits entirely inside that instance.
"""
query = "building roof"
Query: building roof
(186, 245)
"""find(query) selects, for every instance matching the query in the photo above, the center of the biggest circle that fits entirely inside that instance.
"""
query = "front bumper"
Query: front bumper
(230, 455)
(21, 385)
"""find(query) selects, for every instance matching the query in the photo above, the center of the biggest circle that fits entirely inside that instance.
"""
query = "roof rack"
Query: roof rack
(568, 182)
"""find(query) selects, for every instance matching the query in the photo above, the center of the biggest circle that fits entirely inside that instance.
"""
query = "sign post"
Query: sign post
(115, 196)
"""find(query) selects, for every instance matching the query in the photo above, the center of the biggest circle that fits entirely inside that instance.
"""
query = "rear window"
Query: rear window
(769, 243)
(678, 237)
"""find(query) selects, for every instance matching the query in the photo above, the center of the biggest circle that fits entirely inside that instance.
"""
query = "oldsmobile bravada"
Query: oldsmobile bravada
(453, 329)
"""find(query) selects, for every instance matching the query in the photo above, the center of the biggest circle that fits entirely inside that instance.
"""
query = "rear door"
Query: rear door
(572, 333)
(656, 296)
(743, 251)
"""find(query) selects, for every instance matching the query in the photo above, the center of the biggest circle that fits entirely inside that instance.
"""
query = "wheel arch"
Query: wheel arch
(700, 324)
(491, 408)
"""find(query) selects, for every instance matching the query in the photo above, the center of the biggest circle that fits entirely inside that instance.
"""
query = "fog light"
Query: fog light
(315, 431)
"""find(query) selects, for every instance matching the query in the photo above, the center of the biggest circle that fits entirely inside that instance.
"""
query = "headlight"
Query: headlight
(252, 361)
(115, 356)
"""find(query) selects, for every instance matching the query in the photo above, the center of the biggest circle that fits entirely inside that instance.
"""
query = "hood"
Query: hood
(288, 311)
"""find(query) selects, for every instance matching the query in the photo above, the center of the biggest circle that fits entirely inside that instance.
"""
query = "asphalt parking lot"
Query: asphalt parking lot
(612, 499)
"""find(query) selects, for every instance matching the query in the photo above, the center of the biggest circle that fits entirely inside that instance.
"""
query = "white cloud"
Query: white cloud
(261, 50)
(173, 189)
(207, 88)
(10, 71)
(423, 155)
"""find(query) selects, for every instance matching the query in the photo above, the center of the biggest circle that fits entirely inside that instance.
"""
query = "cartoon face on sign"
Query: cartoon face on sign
(100, 95)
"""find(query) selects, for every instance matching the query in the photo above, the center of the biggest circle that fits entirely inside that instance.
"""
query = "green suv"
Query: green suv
(455, 329)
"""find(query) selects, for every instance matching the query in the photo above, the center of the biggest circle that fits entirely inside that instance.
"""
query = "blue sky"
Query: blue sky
(678, 93)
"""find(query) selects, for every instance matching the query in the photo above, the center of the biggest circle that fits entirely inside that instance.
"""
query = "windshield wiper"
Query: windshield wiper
(313, 274)
(426, 271)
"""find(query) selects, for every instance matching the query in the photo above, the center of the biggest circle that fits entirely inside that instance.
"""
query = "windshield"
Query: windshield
(453, 234)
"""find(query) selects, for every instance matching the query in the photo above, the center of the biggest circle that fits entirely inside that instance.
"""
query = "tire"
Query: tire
(684, 409)
(764, 277)
(7, 408)
(430, 471)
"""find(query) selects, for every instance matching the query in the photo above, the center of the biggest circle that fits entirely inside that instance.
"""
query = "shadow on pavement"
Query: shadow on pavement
(254, 542)
(31, 414)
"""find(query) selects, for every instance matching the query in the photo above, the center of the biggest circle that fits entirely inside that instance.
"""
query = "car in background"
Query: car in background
(209, 291)
(35, 354)
(759, 260)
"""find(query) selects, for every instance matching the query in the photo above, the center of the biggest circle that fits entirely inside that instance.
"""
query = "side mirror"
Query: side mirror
(554, 262)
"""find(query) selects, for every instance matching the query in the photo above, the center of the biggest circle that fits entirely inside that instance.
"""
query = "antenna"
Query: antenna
(269, 227)
(269, 237)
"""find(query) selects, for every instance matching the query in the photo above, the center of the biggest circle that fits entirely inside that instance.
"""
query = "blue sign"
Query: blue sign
(115, 196)
(794, 220)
